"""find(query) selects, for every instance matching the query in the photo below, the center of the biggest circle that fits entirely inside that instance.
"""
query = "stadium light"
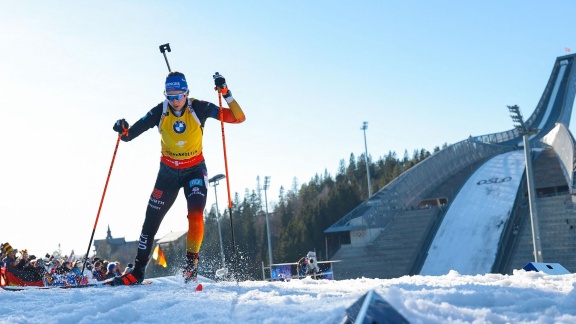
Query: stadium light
(526, 132)
(214, 181)
(266, 186)
(364, 127)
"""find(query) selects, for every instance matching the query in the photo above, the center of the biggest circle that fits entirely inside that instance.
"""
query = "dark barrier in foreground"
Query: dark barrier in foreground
(372, 308)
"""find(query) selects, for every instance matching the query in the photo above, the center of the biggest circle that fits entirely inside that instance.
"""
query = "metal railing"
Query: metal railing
(567, 93)
(408, 189)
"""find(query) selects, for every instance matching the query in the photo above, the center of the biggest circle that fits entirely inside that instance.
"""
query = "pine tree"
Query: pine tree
(300, 216)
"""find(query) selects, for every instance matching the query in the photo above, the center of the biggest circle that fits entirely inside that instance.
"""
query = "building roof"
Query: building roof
(171, 237)
(113, 241)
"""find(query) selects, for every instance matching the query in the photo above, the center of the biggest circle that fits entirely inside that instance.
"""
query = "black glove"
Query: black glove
(121, 126)
(220, 84)
(219, 81)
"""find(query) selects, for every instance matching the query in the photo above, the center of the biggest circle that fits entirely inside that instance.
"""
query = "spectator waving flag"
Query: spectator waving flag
(158, 255)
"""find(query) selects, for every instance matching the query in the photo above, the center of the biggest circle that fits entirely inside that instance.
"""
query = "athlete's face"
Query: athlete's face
(176, 103)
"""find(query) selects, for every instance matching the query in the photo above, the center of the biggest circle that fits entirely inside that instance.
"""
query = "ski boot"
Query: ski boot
(190, 272)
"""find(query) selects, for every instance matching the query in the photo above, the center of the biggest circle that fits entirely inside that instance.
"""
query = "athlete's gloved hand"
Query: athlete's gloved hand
(121, 126)
(220, 84)
(219, 81)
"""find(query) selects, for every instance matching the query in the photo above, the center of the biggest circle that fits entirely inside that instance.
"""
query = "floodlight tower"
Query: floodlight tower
(526, 132)
(266, 186)
(364, 127)
(214, 181)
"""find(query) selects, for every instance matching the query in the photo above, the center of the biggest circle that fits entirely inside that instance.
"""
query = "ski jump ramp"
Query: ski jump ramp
(467, 241)
(468, 238)
(480, 177)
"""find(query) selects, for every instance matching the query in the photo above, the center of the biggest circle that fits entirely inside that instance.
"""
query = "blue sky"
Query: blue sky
(306, 74)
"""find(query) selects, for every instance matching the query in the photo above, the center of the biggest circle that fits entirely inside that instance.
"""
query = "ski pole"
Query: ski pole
(163, 49)
(125, 132)
(234, 251)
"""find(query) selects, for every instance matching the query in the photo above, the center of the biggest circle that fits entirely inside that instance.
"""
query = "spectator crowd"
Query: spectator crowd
(53, 269)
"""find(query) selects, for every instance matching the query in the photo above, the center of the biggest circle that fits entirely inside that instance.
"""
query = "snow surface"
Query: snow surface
(467, 240)
(524, 297)
(467, 296)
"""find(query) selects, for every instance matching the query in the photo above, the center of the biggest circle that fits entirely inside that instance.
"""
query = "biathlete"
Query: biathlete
(180, 120)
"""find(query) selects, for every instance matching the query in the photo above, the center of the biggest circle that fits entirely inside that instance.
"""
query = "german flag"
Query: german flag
(158, 255)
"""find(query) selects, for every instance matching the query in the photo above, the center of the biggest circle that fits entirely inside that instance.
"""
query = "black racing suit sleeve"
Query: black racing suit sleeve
(205, 109)
(151, 119)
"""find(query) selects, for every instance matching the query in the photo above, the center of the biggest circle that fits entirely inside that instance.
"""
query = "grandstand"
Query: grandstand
(400, 231)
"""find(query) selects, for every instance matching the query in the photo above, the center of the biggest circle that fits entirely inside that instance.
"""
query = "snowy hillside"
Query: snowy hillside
(453, 298)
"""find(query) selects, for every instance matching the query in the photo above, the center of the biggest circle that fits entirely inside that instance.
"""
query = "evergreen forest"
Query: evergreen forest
(299, 215)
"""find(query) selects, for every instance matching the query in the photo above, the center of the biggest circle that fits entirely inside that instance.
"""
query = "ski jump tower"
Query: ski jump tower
(394, 231)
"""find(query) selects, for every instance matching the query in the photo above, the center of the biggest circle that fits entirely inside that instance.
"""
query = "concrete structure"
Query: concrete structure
(390, 234)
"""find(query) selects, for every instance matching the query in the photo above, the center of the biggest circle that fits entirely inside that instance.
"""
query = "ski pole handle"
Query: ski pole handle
(163, 49)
